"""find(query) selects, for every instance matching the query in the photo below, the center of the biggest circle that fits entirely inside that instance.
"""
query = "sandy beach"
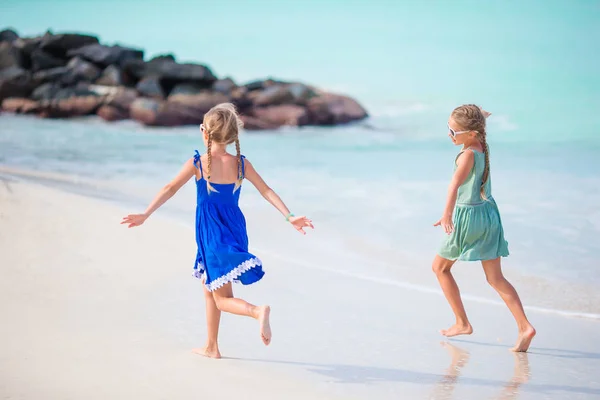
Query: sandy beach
(93, 310)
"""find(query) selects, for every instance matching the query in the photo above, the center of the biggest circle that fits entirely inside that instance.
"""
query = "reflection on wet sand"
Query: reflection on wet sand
(459, 359)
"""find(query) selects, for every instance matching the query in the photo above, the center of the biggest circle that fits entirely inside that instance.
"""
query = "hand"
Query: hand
(300, 223)
(446, 223)
(134, 220)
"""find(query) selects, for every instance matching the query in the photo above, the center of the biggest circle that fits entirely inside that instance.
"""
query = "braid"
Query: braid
(209, 187)
(486, 169)
(238, 182)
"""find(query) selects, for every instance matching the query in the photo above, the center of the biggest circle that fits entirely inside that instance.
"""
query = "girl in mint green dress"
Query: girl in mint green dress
(472, 224)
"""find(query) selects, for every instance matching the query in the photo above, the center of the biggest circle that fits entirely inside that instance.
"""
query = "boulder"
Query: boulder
(70, 107)
(145, 110)
(123, 98)
(107, 55)
(253, 123)
(8, 56)
(259, 84)
(15, 82)
(8, 35)
(110, 113)
(20, 105)
(111, 76)
(190, 88)
(200, 103)
(272, 95)
(42, 60)
(152, 112)
(76, 91)
(46, 91)
(333, 109)
(23, 48)
(224, 86)
(60, 45)
(168, 70)
(286, 114)
(277, 94)
(80, 70)
(301, 93)
(163, 57)
(50, 75)
(150, 87)
(239, 97)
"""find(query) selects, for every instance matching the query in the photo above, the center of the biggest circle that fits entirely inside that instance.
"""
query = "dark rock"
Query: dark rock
(23, 48)
(8, 35)
(50, 75)
(123, 98)
(145, 110)
(239, 98)
(262, 84)
(332, 109)
(15, 82)
(110, 113)
(224, 85)
(70, 107)
(253, 123)
(301, 93)
(188, 88)
(70, 92)
(178, 110)
(150, 87)
(273, 95)
(107, 55)
(286, 114)
(42, 60)
(201, 102)
(46, 91)
(60, 45)
(9, 56)
(111, 76)
(20, 105)
(168, 70)
(186, 72)
(163, 57)
(80, 70)
(277, 94)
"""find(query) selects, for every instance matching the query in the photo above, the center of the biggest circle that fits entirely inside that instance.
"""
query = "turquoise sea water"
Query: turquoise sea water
(533, 64)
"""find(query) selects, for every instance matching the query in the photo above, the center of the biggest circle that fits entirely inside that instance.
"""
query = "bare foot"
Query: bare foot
(524, 340)
(265, 326)
(456, 330)
(210, 352)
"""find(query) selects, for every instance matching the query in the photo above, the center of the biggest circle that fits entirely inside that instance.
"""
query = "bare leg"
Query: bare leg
(213, 318)
(493, 273)
(441, 268)
(226, 302)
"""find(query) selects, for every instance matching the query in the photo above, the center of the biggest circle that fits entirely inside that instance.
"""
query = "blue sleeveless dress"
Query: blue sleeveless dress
(221, 236)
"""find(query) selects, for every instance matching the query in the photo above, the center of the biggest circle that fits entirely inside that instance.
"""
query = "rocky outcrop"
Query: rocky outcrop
(71, 75)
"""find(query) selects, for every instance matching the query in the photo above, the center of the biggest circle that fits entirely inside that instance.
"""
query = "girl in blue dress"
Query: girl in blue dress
(223, 255)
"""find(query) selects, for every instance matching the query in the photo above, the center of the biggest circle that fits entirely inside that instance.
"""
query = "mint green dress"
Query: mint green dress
(478, 233)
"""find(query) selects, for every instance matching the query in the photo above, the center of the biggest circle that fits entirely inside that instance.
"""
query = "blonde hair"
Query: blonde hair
(473, 118)
(222, 124)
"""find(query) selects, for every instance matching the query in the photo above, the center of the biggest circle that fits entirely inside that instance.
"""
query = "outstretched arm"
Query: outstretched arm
(269, 194)
(464, 164)
(184, 175)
